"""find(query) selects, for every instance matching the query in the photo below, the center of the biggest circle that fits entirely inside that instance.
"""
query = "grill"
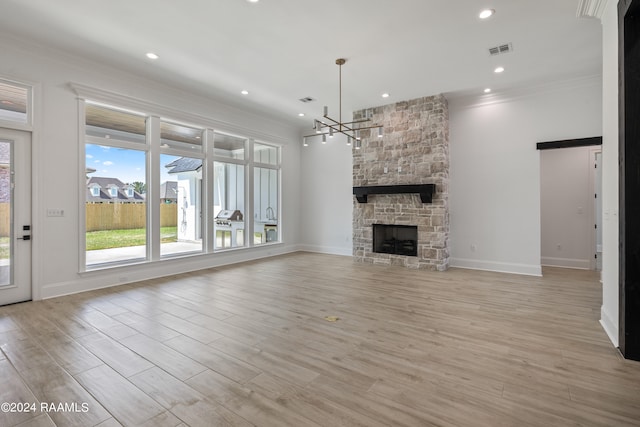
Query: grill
(229, 229)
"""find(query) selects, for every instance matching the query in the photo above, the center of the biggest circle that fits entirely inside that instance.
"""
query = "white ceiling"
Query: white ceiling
(284, 50)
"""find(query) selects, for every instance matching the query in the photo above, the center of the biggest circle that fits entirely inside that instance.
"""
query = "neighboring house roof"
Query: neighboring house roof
(169, 190)
(184, 164)
(105, 197)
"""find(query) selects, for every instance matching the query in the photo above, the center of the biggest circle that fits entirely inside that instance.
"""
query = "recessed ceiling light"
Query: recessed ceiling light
(487, 13)
(245, 92)
(301, 114)
(385, 95)
(152, 55)
(498, 70)
(487, 90)
(253, 1)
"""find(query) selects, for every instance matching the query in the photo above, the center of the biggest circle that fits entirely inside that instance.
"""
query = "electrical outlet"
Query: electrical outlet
(474, 247)
(55, 212)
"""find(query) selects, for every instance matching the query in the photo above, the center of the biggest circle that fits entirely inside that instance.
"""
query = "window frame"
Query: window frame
(153, 148)
(277, 166)
(14, 124)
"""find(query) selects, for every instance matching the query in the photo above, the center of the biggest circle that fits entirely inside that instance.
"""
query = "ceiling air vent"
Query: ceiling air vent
(307, 99)
(503, 48)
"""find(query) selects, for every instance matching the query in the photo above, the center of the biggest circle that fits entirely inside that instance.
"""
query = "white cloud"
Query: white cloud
(108, 163)
(89, 156)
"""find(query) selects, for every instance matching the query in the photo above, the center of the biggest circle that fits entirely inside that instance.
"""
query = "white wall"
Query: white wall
(567, 185)
(495, 169)
(56, 168)
(327, 197)
(610, 241)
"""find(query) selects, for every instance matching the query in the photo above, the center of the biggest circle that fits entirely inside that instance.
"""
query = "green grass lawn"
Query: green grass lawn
(108, 239)
(4, 247)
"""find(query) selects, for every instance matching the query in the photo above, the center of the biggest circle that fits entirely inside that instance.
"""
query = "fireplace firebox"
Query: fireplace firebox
(395, 239)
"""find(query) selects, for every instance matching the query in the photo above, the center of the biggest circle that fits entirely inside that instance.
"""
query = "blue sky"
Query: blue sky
(126, 165)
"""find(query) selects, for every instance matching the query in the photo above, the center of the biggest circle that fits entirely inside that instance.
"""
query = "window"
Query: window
(229, 207)
(115, 156)
(204, 190)
(15, 100)
(180, 199)
(95, 190)
(265, 193)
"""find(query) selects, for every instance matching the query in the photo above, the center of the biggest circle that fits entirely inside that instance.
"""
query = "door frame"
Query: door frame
(33, 126)
(15, 136)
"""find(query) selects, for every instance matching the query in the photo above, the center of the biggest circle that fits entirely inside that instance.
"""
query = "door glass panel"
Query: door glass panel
(5, 213)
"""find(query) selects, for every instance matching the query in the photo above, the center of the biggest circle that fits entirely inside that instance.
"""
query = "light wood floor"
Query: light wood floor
(249, 345)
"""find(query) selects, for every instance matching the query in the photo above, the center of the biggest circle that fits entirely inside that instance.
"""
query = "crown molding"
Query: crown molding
(591, 8)
(466, 99)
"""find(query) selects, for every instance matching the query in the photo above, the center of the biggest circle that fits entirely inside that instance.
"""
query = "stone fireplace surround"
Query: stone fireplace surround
(413, 150)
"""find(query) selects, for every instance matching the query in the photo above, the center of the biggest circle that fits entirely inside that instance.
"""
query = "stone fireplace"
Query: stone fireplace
(391, 176)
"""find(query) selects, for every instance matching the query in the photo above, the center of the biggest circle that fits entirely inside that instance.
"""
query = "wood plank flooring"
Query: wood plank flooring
(249, 345)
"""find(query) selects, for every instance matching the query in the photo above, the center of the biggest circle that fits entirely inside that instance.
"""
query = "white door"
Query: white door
(15, 216)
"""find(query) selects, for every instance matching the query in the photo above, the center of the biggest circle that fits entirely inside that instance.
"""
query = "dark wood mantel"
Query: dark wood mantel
(425, 190)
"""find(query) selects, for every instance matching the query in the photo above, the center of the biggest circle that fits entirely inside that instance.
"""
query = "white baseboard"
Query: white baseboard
(501, 267)
(609, 326)
(121, 275)
(332, 250)
(581, 264)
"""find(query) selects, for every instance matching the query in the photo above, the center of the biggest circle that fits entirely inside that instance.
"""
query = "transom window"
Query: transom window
(15, 103)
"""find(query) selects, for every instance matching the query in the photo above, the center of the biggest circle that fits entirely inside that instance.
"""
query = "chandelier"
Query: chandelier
(329, 126)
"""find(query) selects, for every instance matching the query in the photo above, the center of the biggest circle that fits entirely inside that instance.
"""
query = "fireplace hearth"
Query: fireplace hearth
(395, 239)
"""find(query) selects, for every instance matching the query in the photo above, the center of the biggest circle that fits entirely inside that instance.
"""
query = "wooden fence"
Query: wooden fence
(124, 216)
(109, 216)
(4, 220)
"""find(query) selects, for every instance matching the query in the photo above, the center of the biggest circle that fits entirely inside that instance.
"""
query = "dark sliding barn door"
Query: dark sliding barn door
(629, 61)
